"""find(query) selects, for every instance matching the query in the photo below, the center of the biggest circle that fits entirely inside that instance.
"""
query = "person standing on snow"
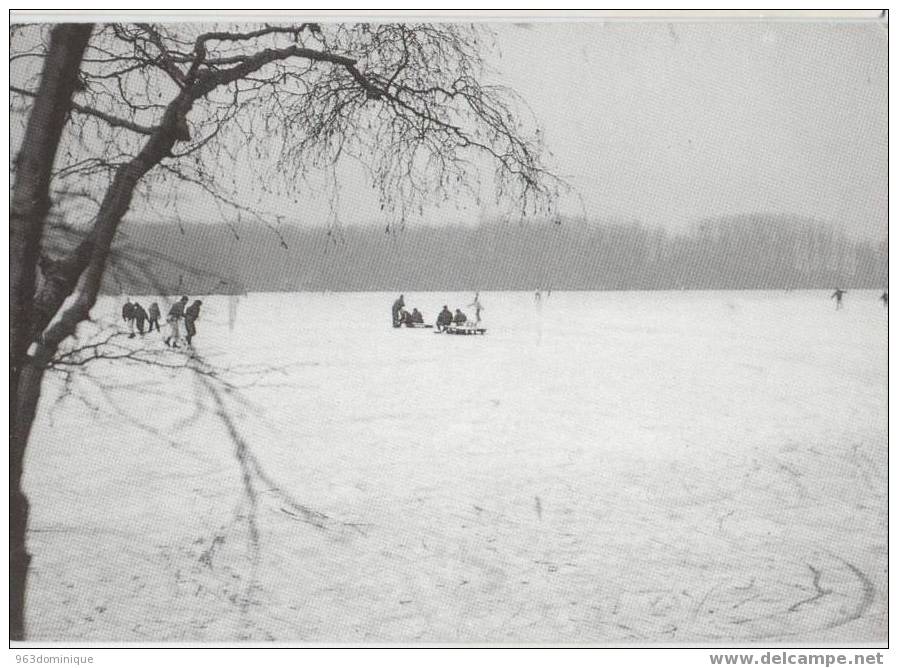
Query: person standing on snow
(398, 305)
(477, 306)
(140, 316)
(153, 316)
(837, 295)
(128, 316)
(175, 314)
(190, 318)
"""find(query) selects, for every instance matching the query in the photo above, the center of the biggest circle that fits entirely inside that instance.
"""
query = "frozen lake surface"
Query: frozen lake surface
(600, 468)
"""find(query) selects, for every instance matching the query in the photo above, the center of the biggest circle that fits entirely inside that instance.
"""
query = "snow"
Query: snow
(632, 468)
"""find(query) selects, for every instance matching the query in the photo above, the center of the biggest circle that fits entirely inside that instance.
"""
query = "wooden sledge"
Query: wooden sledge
(464, 330)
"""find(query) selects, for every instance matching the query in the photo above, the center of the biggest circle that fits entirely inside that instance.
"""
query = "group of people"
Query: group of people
(410, 319)
(445, 319)
(402, 317)
(136, 316)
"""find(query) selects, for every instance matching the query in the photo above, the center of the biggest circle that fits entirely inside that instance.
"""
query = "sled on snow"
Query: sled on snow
(463, 330)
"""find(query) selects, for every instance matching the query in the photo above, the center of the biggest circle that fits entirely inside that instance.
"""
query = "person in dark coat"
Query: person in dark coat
(460, 318)
(398, 305)
(444, 319)
(140, 317)
(837, 295)
(884, 298)
(190, 317)
(128, 315)
(417, 317)
(153, 316)
(175, 315)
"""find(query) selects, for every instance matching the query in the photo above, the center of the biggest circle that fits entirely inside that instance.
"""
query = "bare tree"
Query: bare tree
(155, 111)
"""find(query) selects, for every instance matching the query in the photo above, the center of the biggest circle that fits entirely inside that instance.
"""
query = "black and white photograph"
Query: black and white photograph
(449, 330)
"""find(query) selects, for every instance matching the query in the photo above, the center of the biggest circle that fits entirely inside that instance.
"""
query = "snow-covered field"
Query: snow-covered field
(600, 468)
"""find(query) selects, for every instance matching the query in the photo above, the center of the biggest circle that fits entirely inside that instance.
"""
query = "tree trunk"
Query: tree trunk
(56, 321)
(29, 204)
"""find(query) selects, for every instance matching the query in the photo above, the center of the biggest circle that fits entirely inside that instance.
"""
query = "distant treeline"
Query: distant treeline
(740, 252)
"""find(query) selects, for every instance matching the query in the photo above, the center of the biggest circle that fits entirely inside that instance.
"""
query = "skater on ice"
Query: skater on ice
(837, 295)
(153, 315)
(191, 314)
(477, 306)
(175, 315)
(398, 305)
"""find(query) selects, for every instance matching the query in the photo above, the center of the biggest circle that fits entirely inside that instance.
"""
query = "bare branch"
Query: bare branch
(167, 63)
(108, 118)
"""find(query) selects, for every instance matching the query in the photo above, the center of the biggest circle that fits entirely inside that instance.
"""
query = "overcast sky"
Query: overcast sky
(671, 122)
